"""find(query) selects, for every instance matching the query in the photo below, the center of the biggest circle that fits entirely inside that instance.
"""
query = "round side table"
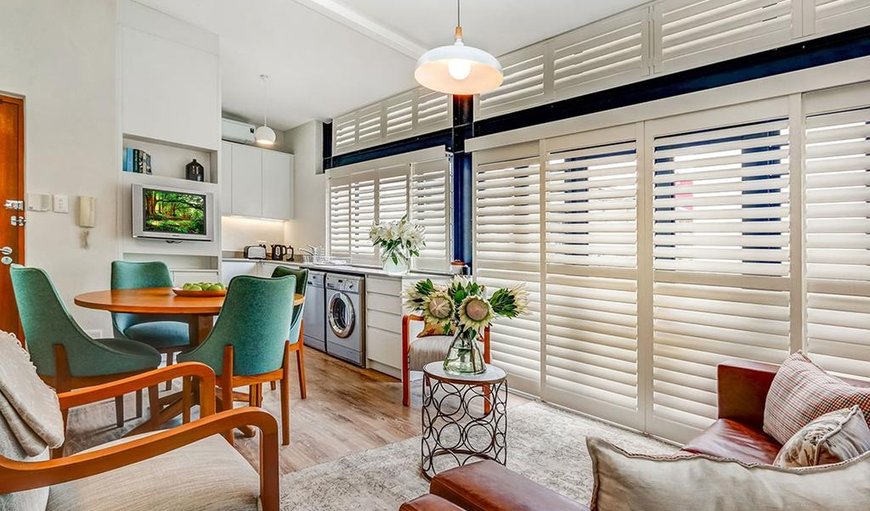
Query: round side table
(464, 418)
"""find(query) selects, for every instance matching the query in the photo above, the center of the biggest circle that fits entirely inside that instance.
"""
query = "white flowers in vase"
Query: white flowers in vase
(399, 241)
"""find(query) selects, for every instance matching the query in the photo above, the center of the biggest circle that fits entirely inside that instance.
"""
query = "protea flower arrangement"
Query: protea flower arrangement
(398, 241)
(462, 309)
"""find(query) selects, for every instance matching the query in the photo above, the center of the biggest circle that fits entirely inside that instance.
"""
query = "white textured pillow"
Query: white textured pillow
(631, 482)
(834, 437)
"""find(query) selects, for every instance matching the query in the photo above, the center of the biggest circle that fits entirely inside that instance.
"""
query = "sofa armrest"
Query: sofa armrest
(429, 502)
(742, 390)
(488, 485)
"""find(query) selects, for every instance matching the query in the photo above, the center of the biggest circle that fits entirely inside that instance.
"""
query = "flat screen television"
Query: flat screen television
(172, 213)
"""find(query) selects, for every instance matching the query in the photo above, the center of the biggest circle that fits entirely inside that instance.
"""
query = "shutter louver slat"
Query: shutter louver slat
(838, 240)
(591, 322)
(721, 234)
(837, 15)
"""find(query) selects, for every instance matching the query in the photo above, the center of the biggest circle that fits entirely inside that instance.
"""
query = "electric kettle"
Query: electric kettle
(279, 252)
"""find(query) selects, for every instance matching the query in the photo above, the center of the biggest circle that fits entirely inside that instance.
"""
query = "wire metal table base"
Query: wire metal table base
(462, 422)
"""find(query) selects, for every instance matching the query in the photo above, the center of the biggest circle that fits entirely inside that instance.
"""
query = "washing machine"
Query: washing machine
(345, 317)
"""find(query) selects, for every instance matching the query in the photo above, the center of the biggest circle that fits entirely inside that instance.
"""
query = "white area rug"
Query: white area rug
(545, 444)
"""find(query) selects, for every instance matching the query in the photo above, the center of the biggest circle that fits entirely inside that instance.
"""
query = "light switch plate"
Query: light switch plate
(61, 203)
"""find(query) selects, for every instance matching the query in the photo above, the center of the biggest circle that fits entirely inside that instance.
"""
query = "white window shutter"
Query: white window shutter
(690, 33)
(339, 218)
(720, 255)
(507, 221)
(591, 273)
(430, 207)
(838, 15)
(362, 216)
(837, 167)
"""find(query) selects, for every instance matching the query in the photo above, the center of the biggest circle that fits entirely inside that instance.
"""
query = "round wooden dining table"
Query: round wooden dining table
(199, 311)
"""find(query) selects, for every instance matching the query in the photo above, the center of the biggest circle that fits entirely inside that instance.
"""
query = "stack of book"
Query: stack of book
(136, 160)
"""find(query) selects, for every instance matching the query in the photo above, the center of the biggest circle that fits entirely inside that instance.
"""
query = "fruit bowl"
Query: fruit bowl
(198, 291)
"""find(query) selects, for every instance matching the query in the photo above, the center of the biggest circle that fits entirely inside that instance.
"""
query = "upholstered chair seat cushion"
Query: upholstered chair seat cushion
(160, 334)
(428, 349)
(207, 475)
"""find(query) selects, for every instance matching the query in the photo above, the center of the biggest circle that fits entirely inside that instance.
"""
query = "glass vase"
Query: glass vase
(396, 263)
(464, 356)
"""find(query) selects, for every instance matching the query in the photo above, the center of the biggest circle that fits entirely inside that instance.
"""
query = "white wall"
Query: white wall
(60, 56)
(308, 226)
(236, 232)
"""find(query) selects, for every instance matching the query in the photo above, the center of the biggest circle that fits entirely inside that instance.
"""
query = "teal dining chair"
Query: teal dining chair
(64, 355)
(165, 333)
(248, 345)
(296, 327)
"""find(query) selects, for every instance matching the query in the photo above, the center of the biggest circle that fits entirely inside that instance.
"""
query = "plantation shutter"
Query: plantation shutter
(362, 215)
(720, 254)
(689, 33)
(339, 218)
(837, 167)
(591, 273)
(838, 15)
(430, 207)
(507, 252)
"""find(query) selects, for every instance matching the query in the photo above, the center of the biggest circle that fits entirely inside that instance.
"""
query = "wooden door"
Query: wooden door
(11, 205)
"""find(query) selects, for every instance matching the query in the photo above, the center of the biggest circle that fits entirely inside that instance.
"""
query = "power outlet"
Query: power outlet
(96, 333)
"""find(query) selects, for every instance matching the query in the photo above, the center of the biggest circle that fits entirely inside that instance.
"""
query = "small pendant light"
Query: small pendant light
(458, 69)
(264, 134)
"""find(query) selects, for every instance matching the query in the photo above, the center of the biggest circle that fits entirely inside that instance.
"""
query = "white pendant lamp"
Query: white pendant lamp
(264, 135)
(458, 69)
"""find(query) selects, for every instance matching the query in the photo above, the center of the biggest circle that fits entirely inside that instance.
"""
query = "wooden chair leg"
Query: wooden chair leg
(273, 385)
(57, 452)
(119, 411)
(154, 406)
(170, 359)
(186, 398)
(285, 397)
(226, 383)
(406, 371)
(252, 395)
(139, 403)
(300, 368)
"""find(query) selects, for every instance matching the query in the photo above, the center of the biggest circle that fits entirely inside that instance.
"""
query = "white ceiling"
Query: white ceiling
(326, 57)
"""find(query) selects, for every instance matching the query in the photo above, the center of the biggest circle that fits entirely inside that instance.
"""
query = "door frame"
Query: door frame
(4, 98)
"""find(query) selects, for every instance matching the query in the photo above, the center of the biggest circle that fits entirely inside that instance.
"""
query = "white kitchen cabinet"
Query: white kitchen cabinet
(230, 269)
(256, 182)
(247, 187)
(226, 178)
(170, 91)
(277, 184)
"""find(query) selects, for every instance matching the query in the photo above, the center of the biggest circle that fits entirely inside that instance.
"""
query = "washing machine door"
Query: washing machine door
(340, 315)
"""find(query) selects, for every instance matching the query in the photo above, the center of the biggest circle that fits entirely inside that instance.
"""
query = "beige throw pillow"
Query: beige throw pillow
(801, 392)
(834, 437)
(633, 482)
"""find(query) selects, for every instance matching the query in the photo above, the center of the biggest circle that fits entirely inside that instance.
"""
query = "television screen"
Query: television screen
(173, 212)
(170, 213)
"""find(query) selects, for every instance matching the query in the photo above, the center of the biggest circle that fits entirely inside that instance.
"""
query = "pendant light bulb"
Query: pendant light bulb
(459, 69)
(265, 135)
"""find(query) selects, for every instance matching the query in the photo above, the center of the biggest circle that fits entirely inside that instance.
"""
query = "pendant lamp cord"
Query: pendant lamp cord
(458, 32)
(265, 79)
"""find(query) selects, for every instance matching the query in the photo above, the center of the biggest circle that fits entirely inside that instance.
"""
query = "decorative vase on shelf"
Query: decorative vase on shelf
(396, 264)
(464, 356)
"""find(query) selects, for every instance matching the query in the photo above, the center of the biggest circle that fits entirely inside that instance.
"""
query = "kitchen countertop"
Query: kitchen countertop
(349, 269)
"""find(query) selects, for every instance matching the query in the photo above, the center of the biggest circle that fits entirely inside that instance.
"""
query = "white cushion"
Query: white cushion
(207, 475)
(625, 482)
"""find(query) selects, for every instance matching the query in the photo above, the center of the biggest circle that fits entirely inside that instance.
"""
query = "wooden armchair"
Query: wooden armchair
(112, 477)
(417, 352)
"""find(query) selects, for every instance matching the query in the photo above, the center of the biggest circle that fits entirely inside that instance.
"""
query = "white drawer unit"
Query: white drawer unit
(384, 324)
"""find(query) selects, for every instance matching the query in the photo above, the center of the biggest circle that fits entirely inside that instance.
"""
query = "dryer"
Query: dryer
(345, 317)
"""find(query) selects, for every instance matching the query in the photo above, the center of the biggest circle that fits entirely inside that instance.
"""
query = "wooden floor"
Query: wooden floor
(347, 410)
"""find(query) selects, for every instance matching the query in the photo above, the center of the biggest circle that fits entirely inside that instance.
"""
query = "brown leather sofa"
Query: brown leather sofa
(737, 433)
